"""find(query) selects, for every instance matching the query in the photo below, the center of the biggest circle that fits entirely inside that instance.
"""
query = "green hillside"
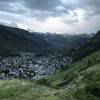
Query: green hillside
(82, 78)
(71, 72)
(25, 90)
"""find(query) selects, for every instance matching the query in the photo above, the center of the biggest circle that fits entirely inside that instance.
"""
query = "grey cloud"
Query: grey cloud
(8, 17)
(71, 18)
(12, 6)
(42, 9)
(42, 5)
(91, 7)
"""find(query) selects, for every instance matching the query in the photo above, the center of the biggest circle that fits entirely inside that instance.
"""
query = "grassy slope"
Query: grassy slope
(80, 81)
(75, 70)
(25, 90)
(82, 78)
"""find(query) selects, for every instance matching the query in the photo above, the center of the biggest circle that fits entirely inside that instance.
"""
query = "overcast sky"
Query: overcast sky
(67, 16)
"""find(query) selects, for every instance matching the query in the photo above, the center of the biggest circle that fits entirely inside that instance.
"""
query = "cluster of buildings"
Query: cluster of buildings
(30, 66)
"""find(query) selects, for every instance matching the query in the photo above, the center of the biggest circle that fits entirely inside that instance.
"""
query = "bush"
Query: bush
(43, 81)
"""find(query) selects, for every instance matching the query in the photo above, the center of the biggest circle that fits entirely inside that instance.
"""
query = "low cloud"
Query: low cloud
(68, 11)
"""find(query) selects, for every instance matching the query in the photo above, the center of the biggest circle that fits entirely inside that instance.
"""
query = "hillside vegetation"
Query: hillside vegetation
(82, 78)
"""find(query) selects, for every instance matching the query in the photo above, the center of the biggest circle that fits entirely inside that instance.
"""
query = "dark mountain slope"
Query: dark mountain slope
(14, 39)
(87, 48)
(65, 40)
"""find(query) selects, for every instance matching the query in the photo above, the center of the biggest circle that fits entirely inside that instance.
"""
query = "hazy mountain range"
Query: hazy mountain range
(15, 39)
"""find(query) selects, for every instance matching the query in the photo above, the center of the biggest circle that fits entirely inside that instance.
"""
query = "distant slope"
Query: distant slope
(65, 40)
(87, 48)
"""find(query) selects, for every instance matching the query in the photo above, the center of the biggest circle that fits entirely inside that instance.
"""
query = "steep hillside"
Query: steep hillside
(87, 48)
(82, 78)
(74, 69)
(14, 39)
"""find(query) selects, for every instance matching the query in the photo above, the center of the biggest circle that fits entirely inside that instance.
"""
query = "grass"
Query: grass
(28, 90)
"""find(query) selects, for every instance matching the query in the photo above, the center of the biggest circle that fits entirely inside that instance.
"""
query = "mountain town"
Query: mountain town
(30, 66)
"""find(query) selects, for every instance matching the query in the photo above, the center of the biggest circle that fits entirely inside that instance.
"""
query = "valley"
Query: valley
(49, 49)
(62, 67)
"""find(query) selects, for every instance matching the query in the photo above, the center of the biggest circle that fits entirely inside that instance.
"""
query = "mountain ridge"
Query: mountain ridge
(15, 39)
